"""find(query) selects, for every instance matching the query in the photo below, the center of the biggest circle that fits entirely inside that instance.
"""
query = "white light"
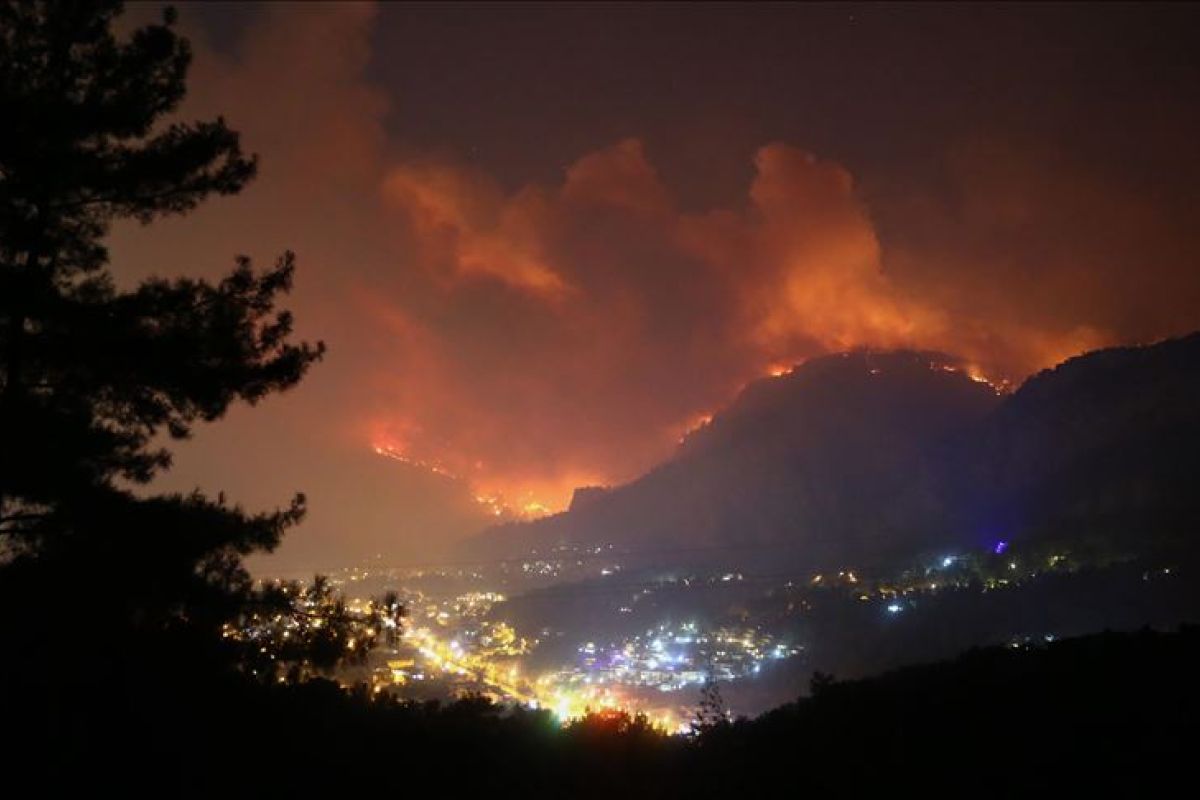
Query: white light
(894, 608)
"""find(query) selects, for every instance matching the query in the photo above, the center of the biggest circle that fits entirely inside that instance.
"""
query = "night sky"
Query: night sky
(541, 242)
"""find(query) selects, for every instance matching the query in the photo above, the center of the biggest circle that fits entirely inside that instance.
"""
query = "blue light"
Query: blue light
(1000, 548)
(947, 561)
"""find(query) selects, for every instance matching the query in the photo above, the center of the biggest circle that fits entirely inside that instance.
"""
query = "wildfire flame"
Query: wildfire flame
(780, 370)
(972, 371)
(526, 507)
(695, 424)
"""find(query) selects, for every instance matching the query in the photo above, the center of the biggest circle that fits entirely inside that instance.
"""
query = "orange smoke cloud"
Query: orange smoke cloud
(577, 329)
(529, 340)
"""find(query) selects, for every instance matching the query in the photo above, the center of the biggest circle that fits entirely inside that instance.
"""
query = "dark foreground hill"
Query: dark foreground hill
(1111, 712)
(860, 457)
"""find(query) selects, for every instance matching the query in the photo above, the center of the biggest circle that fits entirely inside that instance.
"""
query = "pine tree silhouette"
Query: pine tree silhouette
(93, 379)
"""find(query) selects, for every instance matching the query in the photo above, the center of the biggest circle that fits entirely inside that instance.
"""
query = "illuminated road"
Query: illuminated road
(446, 657)
(566, 703)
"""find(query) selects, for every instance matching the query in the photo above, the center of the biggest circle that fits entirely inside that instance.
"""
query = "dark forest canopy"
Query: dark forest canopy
(1105, 712)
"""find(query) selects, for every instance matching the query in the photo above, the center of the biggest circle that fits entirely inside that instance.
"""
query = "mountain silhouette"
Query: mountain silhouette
(833, 458)
(861, 457)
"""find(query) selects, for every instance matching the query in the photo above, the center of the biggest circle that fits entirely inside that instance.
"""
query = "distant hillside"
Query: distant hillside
(858, 457)
(1107, 443)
